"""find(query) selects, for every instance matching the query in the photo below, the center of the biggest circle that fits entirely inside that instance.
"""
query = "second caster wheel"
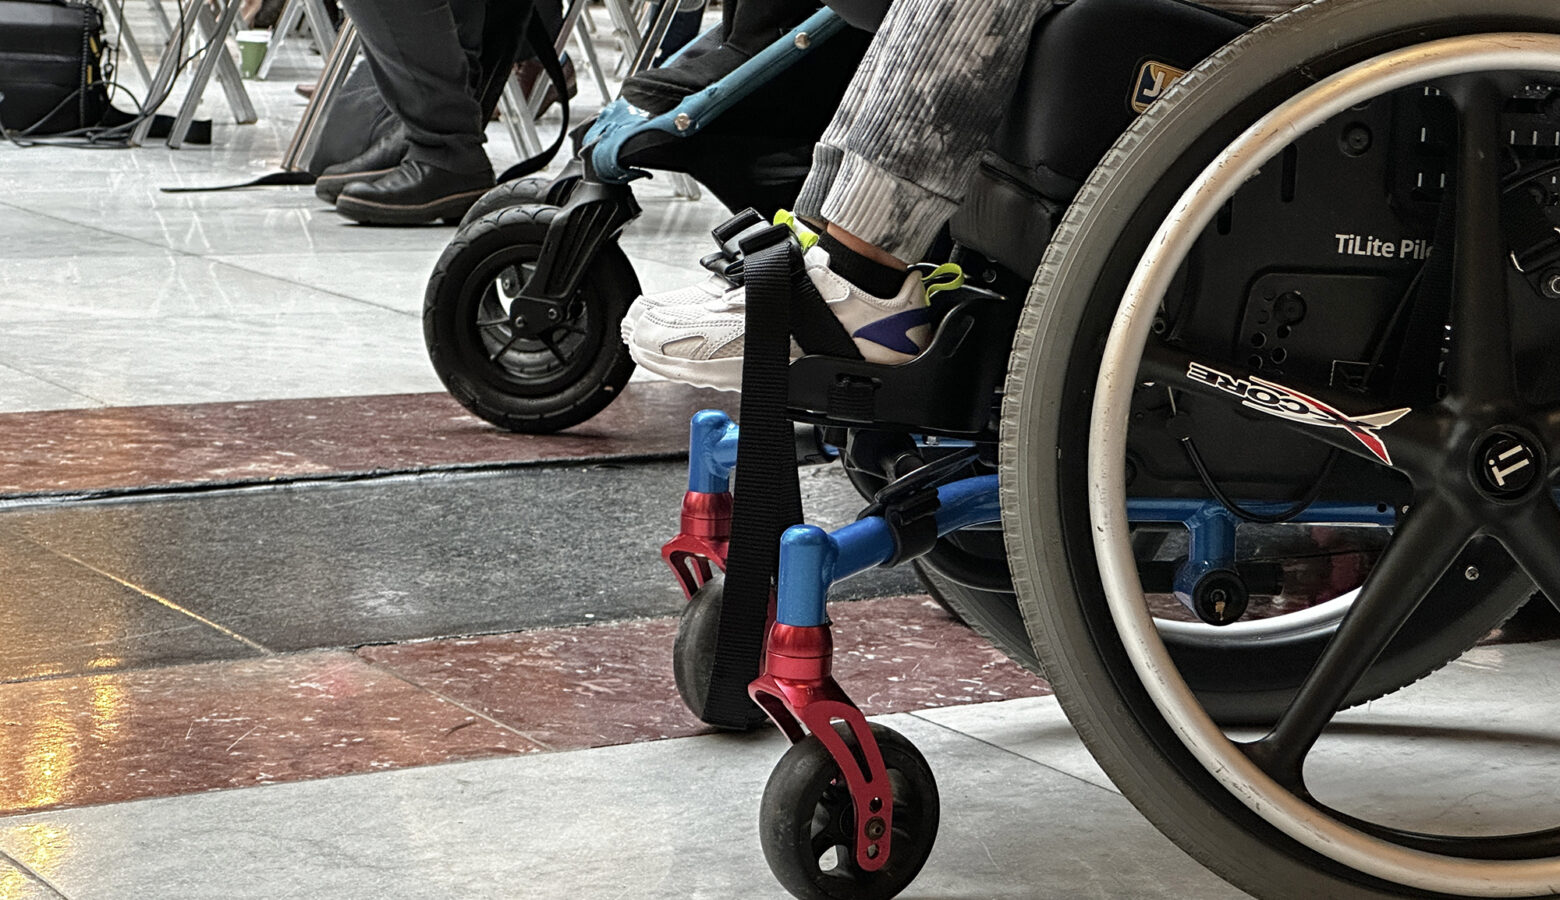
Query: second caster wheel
(693, 654)
(807, 822)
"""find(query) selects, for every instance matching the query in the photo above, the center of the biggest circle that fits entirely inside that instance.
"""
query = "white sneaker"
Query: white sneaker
(711, 288)
(701, 343)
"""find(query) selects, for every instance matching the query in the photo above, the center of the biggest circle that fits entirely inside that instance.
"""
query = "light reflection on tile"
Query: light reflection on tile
(610, 684)
(156, 732)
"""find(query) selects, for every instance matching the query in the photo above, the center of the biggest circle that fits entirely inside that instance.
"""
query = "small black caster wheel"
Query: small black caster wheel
(538, 374)
(693, 654)
(807, 823)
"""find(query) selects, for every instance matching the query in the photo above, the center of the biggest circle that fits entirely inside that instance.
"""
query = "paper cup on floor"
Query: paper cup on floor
(251, 51)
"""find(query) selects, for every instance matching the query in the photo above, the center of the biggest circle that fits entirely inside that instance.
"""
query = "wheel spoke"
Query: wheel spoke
(1533, 539)
(552, 345)
(1481, 321)
(488, 323)
(1408, 440)
(505, 349)
(1426, 541)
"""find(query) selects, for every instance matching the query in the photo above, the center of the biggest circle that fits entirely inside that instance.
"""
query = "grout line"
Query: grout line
(259, 484)
(28, 873)
(55, 384)
(152, 596)
(213, 258)
(399, 676)
(1002, 749)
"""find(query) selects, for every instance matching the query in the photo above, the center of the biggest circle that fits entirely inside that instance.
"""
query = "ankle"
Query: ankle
(877, 273)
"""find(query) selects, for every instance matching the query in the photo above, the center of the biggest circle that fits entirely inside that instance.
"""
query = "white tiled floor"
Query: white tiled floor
(114, 293)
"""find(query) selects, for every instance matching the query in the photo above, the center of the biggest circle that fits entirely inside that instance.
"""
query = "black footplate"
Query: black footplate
(949, 390)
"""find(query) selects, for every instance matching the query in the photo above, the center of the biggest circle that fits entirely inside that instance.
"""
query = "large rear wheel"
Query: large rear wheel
(1443, 427)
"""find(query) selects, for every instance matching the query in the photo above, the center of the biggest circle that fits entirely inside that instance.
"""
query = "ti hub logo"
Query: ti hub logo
(1510, 465)
(1277, 400)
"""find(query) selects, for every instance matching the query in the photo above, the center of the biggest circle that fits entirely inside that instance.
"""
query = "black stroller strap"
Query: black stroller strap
(780, 299)
(542, 40)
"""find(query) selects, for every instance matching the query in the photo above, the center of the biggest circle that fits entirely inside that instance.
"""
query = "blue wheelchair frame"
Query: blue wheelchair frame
(813, 560)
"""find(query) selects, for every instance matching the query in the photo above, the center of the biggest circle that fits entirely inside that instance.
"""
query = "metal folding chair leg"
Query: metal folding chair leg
(517, 117)
(337, 66)
(167, 69)
(292, 14)
(128, 45)
(582, 33)
(323, 28)
(215, 60)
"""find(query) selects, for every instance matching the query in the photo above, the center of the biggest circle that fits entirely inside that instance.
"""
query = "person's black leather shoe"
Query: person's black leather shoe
(415, 193)
(381, 158)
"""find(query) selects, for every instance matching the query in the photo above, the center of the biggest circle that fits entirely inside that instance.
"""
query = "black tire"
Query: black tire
(1046, 438)
(532, 191)
(693, 652)
(807, 805)
(529, 384)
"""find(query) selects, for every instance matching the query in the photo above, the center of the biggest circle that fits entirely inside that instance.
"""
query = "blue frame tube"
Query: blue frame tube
(812, 560)
(1185, 511)
(712, 452)
(619, 121)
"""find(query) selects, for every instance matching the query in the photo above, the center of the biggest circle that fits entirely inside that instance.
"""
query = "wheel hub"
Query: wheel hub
(1506, 464)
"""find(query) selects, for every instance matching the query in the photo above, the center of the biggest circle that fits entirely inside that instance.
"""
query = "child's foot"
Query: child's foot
(696, 337)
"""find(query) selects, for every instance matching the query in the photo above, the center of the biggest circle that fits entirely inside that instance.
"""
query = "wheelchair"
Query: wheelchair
(1303, 309)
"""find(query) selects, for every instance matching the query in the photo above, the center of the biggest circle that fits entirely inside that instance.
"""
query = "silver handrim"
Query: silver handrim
(1107, 452)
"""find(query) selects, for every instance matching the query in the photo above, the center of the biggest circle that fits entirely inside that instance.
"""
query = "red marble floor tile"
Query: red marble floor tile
(185, 729)
(610, 684)
(84, 450)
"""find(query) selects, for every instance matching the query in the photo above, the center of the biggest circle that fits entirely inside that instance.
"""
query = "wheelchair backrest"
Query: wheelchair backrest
(1093, 66)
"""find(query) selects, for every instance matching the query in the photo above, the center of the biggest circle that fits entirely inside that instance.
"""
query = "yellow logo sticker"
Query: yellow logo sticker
(1153, 79)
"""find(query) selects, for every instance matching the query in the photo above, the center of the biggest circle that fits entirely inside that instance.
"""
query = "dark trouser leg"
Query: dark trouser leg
(424, 56)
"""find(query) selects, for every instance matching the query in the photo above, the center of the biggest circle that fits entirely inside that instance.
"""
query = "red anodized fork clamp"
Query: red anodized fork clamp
(702, 540)
(797, 689)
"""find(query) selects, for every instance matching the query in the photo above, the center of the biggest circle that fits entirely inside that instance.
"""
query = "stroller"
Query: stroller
(522, 312)
(1275, 437)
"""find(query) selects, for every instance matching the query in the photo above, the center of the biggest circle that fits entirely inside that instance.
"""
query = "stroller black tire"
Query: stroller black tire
(527, 383)
(532, 191)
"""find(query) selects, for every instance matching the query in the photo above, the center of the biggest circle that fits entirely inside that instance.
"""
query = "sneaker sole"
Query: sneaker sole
(717, 374)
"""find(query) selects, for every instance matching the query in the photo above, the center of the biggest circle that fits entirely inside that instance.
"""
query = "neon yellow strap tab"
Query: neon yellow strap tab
(804, 235)
(946, 277)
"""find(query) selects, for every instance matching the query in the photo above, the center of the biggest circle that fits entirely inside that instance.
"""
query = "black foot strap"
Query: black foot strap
(781, 300)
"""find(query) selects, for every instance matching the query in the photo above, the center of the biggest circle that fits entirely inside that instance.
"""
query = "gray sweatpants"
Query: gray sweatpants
(898, 157)
(903, 146)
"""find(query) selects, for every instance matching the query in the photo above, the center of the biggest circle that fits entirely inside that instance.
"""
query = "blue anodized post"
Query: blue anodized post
(712, 452)
(1210, 547)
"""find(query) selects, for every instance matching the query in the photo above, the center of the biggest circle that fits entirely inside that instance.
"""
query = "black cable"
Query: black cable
(1240, 512)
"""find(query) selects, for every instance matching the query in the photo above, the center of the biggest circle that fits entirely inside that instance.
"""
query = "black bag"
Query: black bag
(51, 66)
